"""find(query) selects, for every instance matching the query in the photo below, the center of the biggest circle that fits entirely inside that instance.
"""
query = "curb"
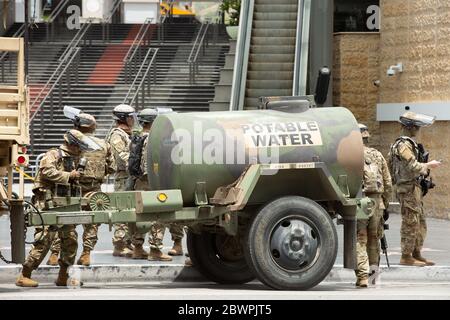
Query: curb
(181, 273)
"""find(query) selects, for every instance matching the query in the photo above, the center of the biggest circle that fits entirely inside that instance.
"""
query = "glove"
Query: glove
(385, 215)
(74, 174)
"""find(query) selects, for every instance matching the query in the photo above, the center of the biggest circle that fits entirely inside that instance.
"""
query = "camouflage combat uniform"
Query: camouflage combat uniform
(405, 170)
(99, 164)
(377, 185)
(51, 172)
(120, 144)
(157, 230)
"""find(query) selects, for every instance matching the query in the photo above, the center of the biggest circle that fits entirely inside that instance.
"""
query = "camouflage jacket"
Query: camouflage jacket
(404, 164)
(51, 170)
(377, 179)
(120, 145)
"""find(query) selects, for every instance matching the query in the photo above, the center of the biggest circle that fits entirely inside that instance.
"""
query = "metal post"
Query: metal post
(60, 94)
(17, 221)
(42, 123)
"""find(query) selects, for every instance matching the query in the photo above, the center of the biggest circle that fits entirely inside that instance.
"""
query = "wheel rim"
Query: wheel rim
(294, 243)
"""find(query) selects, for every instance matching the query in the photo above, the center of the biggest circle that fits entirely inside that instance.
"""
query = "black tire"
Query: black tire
(277, 230)
(208, 258)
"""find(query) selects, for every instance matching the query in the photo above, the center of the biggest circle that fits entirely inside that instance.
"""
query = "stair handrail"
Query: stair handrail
(138, 40)
(193, 61)
(55, 13)
(144, 76)
(189, 60)
(141, 83)
(242, 55)
(76, 39)
(135, 47)
(112, 11)
(162, 21)
(51, 82)
(299, 82)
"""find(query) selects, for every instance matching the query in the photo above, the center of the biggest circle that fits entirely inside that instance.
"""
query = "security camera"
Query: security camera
(394, 69)
(376, 83)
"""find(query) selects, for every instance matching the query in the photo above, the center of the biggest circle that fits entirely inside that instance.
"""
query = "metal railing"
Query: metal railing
(67, 67)
(106, 25)
(142, 80)
(49, 26)
(79, 36)
(140, 41)
(162, 31)
(135, 87)
(200, 45)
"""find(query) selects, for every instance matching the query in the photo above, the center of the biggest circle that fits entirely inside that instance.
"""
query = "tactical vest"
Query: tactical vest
(96, 161)
(373, 176)
(401, 174)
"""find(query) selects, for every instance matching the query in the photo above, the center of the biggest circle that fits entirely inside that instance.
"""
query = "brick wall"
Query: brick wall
(356, 67)
(417, 33)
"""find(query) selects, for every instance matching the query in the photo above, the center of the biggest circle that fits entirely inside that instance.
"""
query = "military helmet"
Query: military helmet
(84, 120)
(122, 112)
(147, 115)
(364, 130)
(76, 138)
(411, 119)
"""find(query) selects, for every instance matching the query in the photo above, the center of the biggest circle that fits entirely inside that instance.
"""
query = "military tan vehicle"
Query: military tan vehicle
(14, 139)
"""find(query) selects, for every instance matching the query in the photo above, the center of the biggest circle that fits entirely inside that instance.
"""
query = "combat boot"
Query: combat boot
(362, 283)
(64, 280)
(24, 279)
(85, 258)
(122, 251)
(177, 249)
(157, 255)
(139, 252)
(408, 260)
(53, 259)
(418, 256)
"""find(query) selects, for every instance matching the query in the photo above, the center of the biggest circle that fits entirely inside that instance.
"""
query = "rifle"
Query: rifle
(383, 240)
(425, 181)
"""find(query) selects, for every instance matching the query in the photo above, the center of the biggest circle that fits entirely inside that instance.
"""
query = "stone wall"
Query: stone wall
(417, 33)
(356, 67)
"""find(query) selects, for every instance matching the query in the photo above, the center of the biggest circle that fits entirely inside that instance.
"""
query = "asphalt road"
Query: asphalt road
(436, 248)
(211, 291)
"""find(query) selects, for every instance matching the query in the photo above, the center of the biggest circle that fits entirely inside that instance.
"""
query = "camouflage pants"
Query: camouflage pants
(89, 239)
(121, 237)
(156, 234)
(414, 227)
(369, 233)
(44, 238)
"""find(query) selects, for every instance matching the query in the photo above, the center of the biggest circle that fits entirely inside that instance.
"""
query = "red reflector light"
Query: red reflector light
(24, 150)
(21, 159)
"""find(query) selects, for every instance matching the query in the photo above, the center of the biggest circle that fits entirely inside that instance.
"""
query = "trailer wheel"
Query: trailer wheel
(291, 244)
(219, 257)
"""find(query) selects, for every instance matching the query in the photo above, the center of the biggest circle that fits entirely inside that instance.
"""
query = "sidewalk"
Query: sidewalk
(106, 268)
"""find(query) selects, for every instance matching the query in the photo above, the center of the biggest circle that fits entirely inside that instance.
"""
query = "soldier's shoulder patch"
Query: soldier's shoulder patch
(405, 150)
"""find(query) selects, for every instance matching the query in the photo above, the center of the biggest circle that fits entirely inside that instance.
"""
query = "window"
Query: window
(356, 15)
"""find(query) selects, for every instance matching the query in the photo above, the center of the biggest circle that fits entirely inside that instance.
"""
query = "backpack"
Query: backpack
(373, 180)
(134, 160)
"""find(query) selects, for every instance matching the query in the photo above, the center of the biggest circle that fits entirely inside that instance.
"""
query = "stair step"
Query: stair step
(274, 33)
(272, 49)
(275, 24)
(271, 58)
(269, 84)
(275, 8)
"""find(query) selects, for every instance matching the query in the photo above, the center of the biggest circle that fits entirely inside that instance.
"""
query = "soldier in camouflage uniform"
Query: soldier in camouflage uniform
(377, 185)
(407, 171)
(99, 164)
(119, 139)
(54, 169)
